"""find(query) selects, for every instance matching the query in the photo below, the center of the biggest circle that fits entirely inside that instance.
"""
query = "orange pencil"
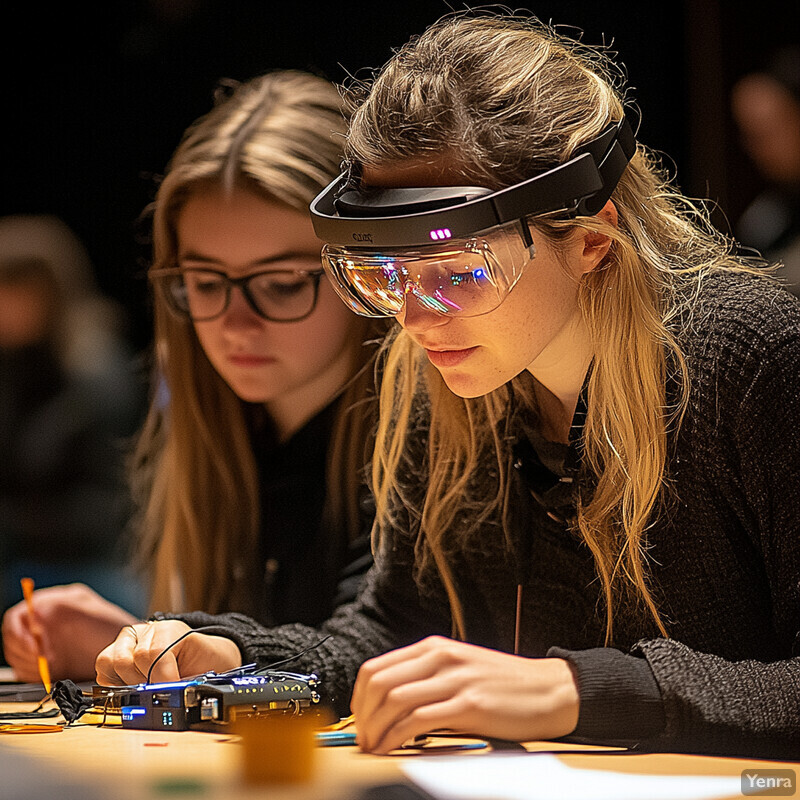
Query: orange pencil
(44, 668)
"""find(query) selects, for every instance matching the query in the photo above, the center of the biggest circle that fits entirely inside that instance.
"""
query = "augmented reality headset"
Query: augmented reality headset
(459, 250)
(412, 217)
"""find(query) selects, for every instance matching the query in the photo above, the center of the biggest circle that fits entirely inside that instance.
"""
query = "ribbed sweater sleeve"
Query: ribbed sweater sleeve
(334, 660)
(701, 702)
(387, 614)
(711, 705)
(620, 702)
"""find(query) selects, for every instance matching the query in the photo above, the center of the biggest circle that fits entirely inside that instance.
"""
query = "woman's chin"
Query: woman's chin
(468, 386)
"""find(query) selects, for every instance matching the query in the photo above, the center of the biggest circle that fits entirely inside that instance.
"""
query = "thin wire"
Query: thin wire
(170, 646)
(216, 628)
(105, 711)
(296, 655)
(38, 708)
(37, 714)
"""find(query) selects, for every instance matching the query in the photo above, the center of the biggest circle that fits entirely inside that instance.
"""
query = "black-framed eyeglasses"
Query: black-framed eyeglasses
(205, 294)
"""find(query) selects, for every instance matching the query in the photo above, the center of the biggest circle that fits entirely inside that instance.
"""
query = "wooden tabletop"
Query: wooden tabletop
(101, 763)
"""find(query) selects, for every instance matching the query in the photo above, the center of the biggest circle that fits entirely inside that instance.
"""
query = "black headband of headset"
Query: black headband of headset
(354, 217)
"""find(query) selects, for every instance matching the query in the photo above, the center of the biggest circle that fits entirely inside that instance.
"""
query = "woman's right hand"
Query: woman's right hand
(127, 660)
(76, 624)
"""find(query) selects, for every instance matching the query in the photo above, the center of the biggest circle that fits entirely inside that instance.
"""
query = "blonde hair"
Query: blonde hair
(503, 98)
(194, 470)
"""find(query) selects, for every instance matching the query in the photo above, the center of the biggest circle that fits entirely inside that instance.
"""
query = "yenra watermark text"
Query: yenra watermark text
(769, 782)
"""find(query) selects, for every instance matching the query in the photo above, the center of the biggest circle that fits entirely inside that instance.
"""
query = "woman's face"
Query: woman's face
(538, 327)
(26, 312)
(768, 117)
(294, 368)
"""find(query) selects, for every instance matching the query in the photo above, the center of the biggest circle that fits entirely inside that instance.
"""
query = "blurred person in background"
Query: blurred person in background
(69, 400)
(249, 473)
(766, 109)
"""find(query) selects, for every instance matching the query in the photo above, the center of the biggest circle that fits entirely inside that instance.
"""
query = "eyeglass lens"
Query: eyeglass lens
(276, 295)
(464, 286)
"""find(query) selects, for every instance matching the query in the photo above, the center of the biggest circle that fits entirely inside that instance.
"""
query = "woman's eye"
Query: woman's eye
(205, 285)
(467, 278)
(284, 289)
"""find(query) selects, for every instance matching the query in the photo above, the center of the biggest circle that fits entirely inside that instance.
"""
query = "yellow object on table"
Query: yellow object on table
(32, 728)
(44, 667)
(338, 725)
(279, 749)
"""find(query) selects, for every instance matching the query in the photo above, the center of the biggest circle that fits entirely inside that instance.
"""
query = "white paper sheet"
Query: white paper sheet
(543, 777)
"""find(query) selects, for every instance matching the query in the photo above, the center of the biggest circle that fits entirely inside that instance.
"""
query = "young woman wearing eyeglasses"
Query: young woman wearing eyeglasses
(250, 468)
(587, 468)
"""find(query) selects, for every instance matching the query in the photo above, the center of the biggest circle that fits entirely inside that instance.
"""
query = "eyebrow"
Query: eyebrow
(290, 255)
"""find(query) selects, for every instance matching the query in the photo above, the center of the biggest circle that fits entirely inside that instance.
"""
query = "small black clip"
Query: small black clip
(71, 700)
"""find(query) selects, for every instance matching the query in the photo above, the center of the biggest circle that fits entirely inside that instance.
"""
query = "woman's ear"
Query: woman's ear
(596, 245)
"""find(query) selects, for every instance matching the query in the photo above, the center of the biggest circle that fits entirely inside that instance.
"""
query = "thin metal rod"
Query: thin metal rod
(517, 619)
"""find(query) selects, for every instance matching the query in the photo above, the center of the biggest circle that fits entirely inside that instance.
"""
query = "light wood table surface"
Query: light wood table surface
(114, 763)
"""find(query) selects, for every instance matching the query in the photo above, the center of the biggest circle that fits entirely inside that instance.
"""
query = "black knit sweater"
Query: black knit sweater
(309, 567)
(724, 560)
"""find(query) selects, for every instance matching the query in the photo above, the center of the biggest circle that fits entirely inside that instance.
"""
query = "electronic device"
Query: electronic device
(348, 215)
(211, 701)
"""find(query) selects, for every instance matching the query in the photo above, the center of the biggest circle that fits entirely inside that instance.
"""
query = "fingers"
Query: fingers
(204, 652)
(25, 668)
(16, 630)
(447, 714)
(374, 666)
(163, 670)
(161, 652)
(409, 710)
(128, 659)
(21, 656)
(439, 683)
(392, 687)
(105, 674)
(19, 647)
(391, 693)
(492, 694)
(151, 656)
(115, 665)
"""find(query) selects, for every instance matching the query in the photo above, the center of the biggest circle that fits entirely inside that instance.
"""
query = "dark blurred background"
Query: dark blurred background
(96, 99)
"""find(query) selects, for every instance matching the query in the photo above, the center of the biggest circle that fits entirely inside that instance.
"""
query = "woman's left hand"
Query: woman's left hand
(440, 683)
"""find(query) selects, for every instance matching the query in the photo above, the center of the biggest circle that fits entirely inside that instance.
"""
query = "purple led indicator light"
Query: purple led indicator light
(441, 233)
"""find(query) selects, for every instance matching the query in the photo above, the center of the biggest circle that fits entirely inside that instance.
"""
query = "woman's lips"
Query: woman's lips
(243, 360)
(449, 358)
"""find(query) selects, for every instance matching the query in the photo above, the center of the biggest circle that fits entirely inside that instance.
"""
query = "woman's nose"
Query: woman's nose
(416, 317)
(239, 316)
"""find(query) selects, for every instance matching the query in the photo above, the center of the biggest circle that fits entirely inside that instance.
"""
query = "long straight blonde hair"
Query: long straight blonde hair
(503, 98)
(194, 471)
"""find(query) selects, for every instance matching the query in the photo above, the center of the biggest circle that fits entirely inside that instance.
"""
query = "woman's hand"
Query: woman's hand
(76, 623)
(128, 659)
(439, 683)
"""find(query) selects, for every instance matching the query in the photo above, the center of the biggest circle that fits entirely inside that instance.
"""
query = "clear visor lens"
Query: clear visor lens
(466, 277)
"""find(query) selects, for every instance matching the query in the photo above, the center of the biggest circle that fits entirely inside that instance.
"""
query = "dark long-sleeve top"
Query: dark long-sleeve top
(724, 561)
(309, 566)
